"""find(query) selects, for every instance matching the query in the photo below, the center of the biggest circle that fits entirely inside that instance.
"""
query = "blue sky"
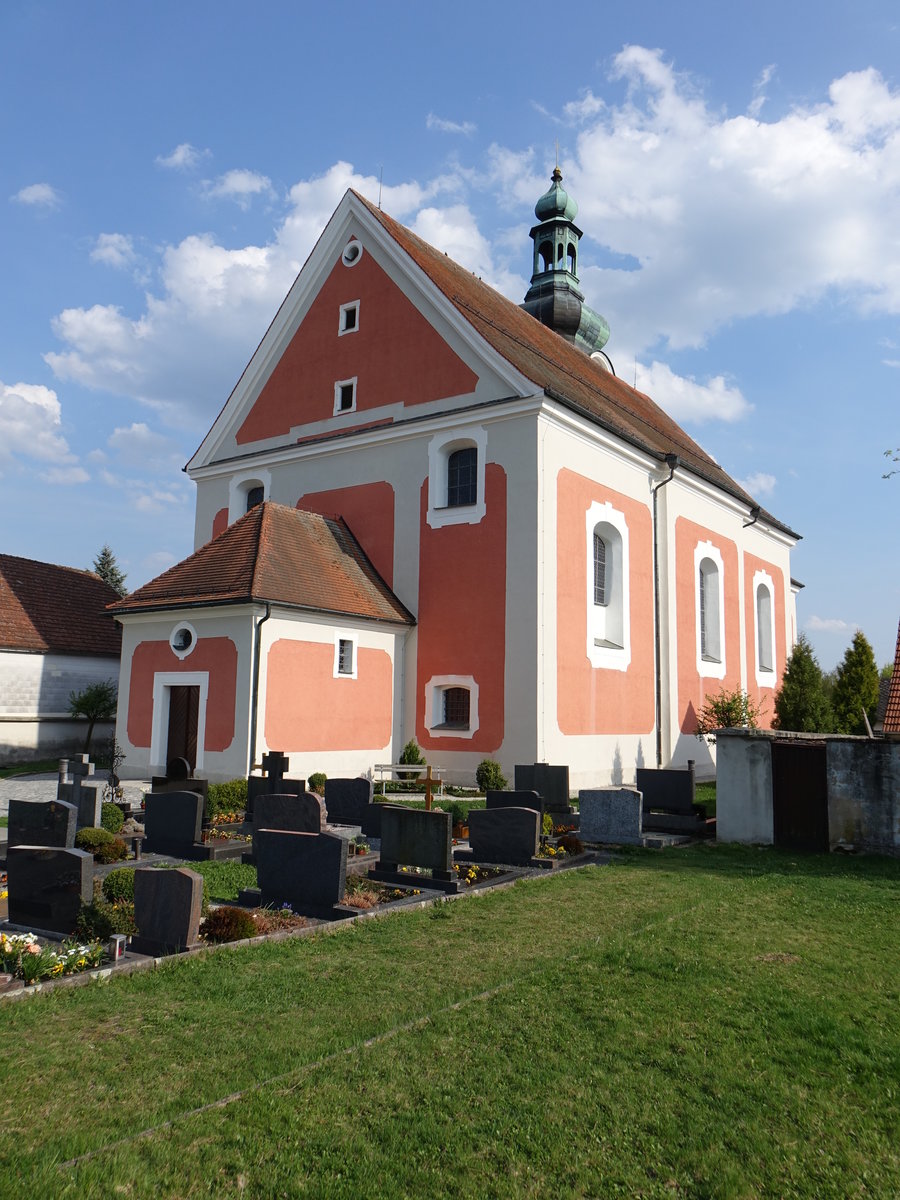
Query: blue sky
(165, 170)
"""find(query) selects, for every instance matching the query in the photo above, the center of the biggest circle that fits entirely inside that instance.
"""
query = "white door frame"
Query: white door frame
(163, 682)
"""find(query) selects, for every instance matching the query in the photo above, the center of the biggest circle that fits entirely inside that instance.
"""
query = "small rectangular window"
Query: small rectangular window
(456, 707)
(349, 318)
(344, 396)
(345, 656)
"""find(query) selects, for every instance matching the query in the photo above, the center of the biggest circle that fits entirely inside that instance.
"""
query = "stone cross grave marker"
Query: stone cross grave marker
(72, 788)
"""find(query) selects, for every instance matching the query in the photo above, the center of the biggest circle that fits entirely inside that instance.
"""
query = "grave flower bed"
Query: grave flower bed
(24, 957)
(366, 893)
(471, 874)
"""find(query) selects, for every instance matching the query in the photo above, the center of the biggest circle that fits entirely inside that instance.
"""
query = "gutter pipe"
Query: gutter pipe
(254, 694)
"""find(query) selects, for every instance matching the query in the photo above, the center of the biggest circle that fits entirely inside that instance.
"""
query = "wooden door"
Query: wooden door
(799, 796)
(184, 709)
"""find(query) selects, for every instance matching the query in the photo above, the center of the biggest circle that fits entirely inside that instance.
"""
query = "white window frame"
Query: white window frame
(764, 639)
(711, 667)
(352, 252)
(240, 486)
(182, 654)
(163, 681)
(342, 383)
(609, 625)
(353, 639)
(351, 305)
(434, 705)
(440, 448)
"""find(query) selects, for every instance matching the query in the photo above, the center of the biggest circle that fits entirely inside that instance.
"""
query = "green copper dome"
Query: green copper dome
(556, 202)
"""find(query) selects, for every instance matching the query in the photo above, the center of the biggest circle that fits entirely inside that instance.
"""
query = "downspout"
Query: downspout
(671, 463)
(254, 694)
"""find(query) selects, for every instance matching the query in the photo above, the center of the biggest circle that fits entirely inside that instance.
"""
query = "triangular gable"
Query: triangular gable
(393, 353)
(406, 329)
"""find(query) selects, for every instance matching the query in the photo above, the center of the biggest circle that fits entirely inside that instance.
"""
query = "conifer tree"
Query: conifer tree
(801, 704)
(107, 568)
(856, 689)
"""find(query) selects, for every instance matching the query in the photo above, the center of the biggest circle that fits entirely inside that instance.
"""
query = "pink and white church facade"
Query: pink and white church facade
(428, 512)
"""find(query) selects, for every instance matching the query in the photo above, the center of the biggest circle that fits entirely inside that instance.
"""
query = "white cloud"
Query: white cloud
(443, 126)
(183, 158)
(38, 195)
(114, 249)
(138, 445)
(240, 186)
(65, 475)
(684, 399)
(890, 362)
(30, 424)
(157, 501)
(759, 484)
(588, 105)
(829, 625)
(759, 90)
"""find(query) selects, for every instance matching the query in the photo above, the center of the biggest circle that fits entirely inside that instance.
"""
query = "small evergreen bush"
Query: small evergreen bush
(227, 924)
(316, 782)
(226, 797)
(99, 920)
(413, 756)
(102, 844)
(119, 886)
(111, 817)
(489, 777)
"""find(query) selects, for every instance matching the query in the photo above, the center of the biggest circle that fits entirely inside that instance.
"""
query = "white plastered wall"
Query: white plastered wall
(34, 701)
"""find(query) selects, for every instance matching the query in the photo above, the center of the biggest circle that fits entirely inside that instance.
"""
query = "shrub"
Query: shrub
(489, 777)
(727, 710)
(111, 817)
(228, 924)
(413, 756)
(92, 839)
(801, 704)
(119, 886)
(571, 844)
(226, 797)
(856, 689)
(316, 782)
(99, 920)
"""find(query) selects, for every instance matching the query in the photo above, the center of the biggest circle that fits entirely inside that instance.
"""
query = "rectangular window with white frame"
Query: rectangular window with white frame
(608, 599)
(348, 319)
(345, 656)
(763, 593)
(709, 577)
(344, 396)
(451, 706)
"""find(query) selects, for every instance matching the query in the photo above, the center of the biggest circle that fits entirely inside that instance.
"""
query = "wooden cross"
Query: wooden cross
(430, 783)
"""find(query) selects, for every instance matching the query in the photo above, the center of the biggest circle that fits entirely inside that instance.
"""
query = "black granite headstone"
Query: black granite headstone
(71, 787)
(513, 800)
(172, 821)
(48, 885)
(42, 823)
(504, 835)
(306, 870)
(550, 782)
(415, 838)
(349, 802)
(167, 910)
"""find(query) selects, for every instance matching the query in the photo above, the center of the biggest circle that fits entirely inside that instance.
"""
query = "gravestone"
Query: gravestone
(503, 835)
(87, 797)
(42, 823)
(172, 822)
(167, 908)
(611, 815)
(178, 778)
(302, 813)
(669, 801)
(306, 870)
(513, 800)
(272, 782)
(415, 837)
(349, 802)
(550, 782)
(47, 886)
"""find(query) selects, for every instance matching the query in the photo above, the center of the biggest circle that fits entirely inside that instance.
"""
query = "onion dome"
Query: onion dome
(556, 201)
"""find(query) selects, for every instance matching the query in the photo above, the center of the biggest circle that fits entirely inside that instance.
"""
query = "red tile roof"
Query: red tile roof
(564, 372)
(49, 609)
(892, 712)
(281, 554)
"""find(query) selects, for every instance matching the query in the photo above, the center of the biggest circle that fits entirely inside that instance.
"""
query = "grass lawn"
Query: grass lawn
(708, 1022)
(39, 767)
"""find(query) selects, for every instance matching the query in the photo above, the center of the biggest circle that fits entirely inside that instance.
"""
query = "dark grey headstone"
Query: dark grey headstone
(167, 910)
(42, 823)
(73, 788)
(259, 785)
(306, 870)
(347, 800)
(610, 815)
(303, 813)
(504, 835)
(670, 790)
(162, 783)
(172, 821)
(550, 782)
(513, 800)
(48, 885)
(415, 838)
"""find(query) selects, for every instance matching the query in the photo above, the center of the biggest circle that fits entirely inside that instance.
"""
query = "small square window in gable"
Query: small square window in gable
(344, 396)
(348, 320)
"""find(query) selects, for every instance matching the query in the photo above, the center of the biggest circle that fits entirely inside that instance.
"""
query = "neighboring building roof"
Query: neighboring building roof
(565, 373)
(892, 712)
(284, 555)
(49, 609)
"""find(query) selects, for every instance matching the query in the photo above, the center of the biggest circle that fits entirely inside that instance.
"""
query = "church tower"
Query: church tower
(554, 297)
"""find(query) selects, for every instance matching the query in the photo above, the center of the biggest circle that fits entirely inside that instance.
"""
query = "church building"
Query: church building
(428, 512)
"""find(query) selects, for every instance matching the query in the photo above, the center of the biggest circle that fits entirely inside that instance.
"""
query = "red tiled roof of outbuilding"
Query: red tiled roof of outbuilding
(554, 364)
(46, 608)
(892, 712)
(280, 554)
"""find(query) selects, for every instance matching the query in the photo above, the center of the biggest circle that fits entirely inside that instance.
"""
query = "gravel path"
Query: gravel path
(43, 787)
